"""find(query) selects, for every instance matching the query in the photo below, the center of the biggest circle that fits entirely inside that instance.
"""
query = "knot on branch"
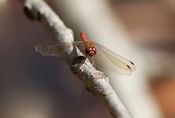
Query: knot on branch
(31, 14)
(76, 63)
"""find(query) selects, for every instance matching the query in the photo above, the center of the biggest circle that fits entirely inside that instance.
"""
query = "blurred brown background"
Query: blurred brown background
(151, 24)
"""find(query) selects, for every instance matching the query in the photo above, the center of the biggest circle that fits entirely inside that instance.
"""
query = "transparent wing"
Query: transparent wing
(48, 48)
(106, 59)
(117, 59)
(52, 48)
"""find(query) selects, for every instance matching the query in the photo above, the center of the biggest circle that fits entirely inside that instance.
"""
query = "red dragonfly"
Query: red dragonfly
(104, 58)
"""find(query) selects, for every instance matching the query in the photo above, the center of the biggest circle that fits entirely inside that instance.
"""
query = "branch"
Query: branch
(96, 81)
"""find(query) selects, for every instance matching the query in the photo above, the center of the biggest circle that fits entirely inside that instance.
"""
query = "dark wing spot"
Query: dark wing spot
(128, 66)
(132, 63)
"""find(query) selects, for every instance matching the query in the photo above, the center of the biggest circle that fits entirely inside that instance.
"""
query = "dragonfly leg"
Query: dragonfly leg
(92, 61)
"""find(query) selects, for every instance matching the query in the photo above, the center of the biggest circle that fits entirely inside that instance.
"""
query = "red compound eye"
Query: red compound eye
(94, 49)
(89, 49)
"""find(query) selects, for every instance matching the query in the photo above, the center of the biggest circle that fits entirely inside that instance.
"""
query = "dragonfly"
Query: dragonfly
(103, 58)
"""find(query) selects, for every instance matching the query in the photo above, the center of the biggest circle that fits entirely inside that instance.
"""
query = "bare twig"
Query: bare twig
(95, 80)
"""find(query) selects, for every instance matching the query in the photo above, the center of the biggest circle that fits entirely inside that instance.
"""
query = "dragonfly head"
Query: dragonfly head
(91, 51)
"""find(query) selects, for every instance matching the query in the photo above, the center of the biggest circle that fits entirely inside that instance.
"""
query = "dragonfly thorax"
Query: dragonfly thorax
(90, 51)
